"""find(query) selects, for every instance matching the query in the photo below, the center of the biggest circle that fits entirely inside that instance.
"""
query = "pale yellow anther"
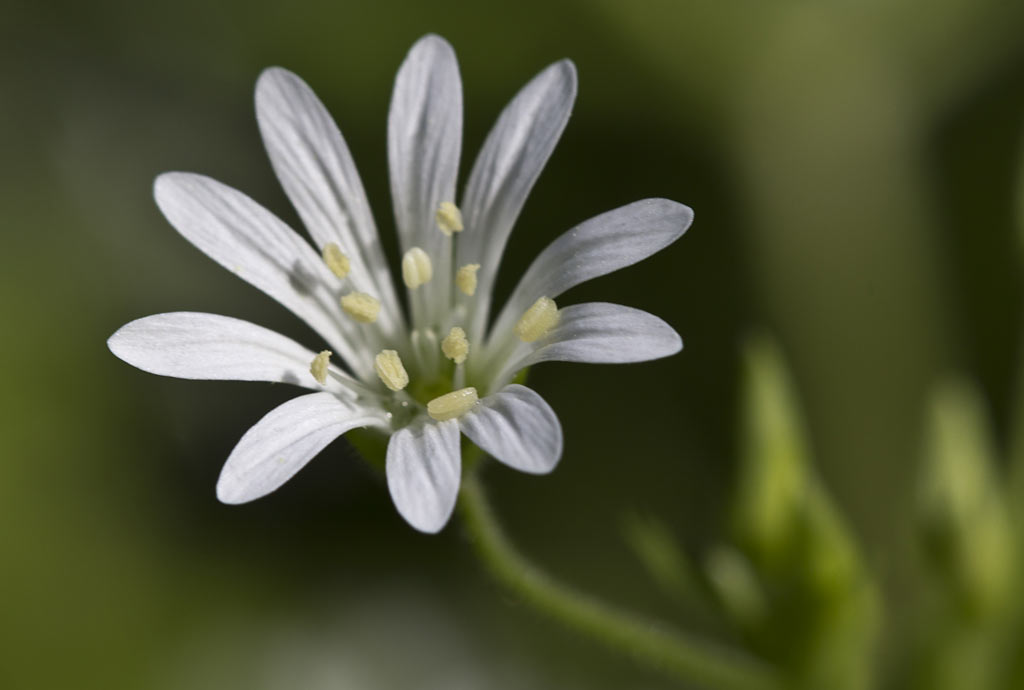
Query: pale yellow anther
(318, 367)
(336, 260)
(449, 218)
(452, 405)
(416, 268)
(538, 320)
(455, 346)
(388, 366)
(465, 278)
(361, 307)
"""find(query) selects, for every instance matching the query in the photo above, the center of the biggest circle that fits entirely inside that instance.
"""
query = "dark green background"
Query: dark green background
(854, 168)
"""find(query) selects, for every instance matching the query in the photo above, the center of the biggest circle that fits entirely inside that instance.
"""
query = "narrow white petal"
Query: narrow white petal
(603, 244)
(517, 427)
(600, 333)
(424, 142)
(509, 163)
(280, 444)
(318, 174)
(250, 241)
(191, 345)
(424, 466)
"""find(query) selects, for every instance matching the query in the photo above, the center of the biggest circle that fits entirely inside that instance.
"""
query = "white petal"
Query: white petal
(611, 241)
(509, 163)
(517, 427)
(316, 170)
(250, 241)
(280, 444)
(424, 467)
(600, 333)
(424, 142)
(191, 345)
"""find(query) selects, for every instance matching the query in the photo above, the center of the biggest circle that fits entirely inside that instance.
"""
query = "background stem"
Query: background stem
(649, 642)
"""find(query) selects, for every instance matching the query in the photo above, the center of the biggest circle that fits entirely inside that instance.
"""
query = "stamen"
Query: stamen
(455, 346)
(361, 307)
(388, 366)
(449, 218)
(465, 278)
(336, 260)
(452, 405)
(318, 367)
(416, 268)
(538, 320)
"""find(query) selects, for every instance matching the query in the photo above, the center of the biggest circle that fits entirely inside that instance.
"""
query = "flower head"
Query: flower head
(425, 374)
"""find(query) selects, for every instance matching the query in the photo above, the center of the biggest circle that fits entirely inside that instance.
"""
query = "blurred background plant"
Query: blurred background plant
(829, 499)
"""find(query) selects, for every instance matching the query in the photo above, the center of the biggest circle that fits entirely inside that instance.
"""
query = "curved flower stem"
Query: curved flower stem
(667, 650)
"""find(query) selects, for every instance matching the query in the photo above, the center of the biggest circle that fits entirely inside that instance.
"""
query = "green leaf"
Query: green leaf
(666, 563)
(963, 513)
(804, 596)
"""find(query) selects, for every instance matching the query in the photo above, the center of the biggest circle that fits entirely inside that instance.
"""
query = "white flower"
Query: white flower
(425, 375)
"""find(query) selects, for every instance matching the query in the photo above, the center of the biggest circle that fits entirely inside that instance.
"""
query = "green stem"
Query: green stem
(686, 658)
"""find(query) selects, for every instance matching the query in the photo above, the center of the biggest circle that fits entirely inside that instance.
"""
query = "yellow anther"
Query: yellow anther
(361, 307)
(318, 367)
(336, 260)
(416, 268)
(388, 366)
(452, 405)
(449, 218)
(538, 320)
(455, 346)
(465, 278)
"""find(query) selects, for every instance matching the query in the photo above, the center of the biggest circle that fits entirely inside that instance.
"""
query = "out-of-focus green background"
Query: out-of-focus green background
(854, 168)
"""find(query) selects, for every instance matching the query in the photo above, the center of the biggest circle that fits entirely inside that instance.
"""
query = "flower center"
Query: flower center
(422, 390)
(424, 372)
